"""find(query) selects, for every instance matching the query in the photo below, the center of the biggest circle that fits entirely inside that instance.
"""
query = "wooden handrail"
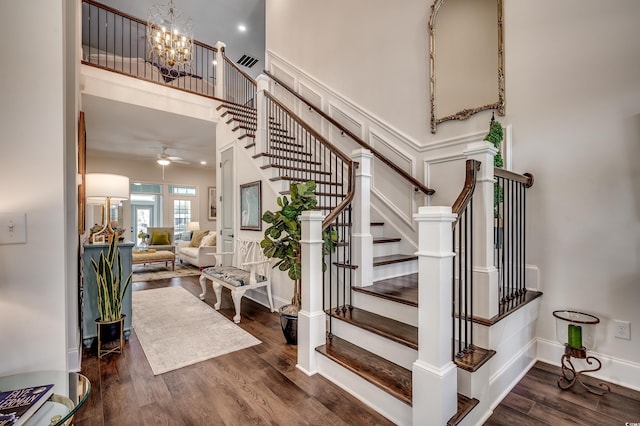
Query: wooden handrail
(416, 183)
(461, 203)
(526, 178)
(244, 74)
(336, 151)
(138, 20)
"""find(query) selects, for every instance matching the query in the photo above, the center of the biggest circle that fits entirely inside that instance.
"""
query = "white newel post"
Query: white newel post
(434, 374)
(361, 238)
(262, 84)
(219, 86)
(312, 327)
(485, 274)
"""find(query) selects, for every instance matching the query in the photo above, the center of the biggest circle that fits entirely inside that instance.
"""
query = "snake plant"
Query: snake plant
(111, 291)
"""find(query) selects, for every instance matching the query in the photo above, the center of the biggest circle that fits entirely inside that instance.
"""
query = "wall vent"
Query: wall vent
(247, 61)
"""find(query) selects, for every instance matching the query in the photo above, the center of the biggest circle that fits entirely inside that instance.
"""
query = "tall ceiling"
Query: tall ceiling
(115, 128)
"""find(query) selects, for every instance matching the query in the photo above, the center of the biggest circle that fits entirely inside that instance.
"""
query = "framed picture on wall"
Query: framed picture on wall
(212, 203)
(251, 206)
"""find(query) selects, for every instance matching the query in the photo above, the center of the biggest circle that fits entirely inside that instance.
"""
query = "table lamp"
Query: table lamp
(107, 187)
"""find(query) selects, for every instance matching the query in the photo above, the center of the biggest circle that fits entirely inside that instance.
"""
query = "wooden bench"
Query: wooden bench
(249, 270)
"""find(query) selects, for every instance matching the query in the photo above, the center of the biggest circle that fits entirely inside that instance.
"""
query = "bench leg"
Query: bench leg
(269, 298)
(237, 299)
(203, 284)
(217, 290)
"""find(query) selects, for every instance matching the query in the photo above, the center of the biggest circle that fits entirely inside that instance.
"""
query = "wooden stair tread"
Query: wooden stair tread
(465, 405)
(403, 289)
(376, 224)
(296, 169)
(388, 376)
(297, 179)
(393, 258)
(382, 240)
(472, 361)
(286, 158)
(391, 329)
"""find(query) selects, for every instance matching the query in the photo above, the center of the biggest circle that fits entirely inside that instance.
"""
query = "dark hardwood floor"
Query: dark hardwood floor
(537, 400)
(261, 386)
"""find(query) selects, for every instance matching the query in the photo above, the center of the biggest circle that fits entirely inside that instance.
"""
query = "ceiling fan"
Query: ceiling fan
(164, 159)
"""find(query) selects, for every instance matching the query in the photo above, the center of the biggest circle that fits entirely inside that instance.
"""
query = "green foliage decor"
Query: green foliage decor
(109, 281)
(495, 137)
(282, 237)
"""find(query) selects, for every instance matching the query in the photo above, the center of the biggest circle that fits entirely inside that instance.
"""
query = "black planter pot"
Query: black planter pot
(289, 324)
(110, 331)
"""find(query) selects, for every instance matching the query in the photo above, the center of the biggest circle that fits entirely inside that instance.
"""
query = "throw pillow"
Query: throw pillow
(196, 239)
(209, 240)
(160, 239)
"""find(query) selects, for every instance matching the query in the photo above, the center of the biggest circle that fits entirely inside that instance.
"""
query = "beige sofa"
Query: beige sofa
(170, 247)
(201, 255)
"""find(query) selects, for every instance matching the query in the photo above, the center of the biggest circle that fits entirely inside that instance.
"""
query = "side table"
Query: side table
(70, 391)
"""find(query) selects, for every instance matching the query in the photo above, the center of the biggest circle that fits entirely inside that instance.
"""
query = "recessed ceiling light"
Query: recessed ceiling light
(215, 62)
(204, 163)
(242, 28)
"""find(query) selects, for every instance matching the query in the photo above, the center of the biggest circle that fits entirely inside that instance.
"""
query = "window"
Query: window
(181, 216)
(182, 190)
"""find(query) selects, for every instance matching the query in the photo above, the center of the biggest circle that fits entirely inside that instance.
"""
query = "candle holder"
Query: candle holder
(576, 330)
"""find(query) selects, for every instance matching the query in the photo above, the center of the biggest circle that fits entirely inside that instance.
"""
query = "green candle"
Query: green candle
(575, 336)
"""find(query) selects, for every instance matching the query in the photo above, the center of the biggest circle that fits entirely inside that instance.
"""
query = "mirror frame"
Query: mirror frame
(465, 113)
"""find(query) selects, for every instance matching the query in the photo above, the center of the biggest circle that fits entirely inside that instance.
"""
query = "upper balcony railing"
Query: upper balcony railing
(117, 42)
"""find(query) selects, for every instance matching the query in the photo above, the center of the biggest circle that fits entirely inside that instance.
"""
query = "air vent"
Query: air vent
(247, 61)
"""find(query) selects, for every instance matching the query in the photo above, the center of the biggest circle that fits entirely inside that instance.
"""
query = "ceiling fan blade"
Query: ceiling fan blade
(174, 158)
(180, 161)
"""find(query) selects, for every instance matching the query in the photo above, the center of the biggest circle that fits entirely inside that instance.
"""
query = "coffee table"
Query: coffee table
(139, 257)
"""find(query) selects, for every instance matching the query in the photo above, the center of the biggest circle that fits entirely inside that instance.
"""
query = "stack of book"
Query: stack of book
(18, 405)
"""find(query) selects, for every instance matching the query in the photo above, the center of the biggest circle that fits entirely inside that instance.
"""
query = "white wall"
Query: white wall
(33, 277)
(149, 171)
(573, 101)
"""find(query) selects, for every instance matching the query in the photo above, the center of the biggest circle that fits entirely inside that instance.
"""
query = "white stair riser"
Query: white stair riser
(394, 270)
(377, 231)
(386, 249)
(381, 346)
(390, 407)
(390, 309)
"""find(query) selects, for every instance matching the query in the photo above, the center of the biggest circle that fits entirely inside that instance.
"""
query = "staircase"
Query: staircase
(372, 345)
(380, 316)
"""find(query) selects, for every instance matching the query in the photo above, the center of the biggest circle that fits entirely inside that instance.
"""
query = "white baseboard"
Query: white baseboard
(614, 370)
(74, 355)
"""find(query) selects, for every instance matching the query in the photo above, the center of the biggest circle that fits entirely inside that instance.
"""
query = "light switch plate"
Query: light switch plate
(13, 228)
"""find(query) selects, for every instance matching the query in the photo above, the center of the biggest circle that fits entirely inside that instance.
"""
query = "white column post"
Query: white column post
(219, 86)
(434, 374)
(262, 84)
(312, 326)
(485, 274)
(361, 239)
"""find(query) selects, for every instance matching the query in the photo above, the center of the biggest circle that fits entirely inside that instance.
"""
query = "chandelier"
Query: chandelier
(170, 39)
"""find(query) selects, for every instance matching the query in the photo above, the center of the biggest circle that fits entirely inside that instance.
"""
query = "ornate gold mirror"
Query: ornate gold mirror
(466, 56)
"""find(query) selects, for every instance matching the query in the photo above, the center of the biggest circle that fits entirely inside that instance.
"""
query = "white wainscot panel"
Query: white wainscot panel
(307, 114)
(446, 176)
(345, 143)
(388, 185)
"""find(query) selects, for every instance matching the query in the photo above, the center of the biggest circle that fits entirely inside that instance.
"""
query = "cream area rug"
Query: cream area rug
(176, 329)
(157, 271)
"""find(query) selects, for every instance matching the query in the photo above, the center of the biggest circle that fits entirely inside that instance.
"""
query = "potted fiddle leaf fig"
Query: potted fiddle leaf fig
(282, 241)
(112, 288)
